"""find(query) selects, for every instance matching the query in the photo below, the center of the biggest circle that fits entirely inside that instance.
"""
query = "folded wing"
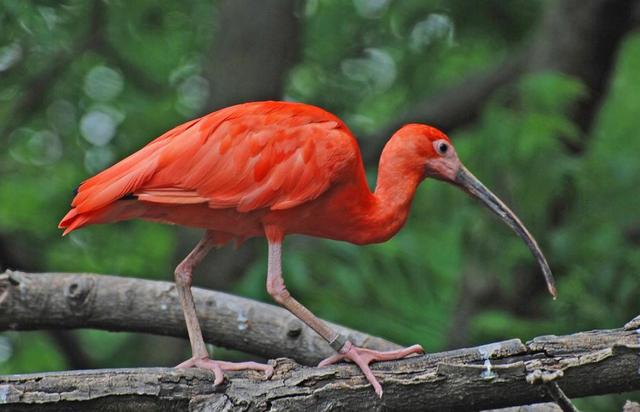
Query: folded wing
(272, 155)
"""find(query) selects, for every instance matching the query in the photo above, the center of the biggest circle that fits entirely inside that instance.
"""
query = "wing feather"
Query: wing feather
(274, 155)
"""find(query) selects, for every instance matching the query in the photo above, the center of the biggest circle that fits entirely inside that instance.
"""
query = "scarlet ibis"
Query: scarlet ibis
(269, 169)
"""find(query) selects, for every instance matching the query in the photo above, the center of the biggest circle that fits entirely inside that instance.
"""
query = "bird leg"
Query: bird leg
(200, 356)
(363, 357)
(346, 350)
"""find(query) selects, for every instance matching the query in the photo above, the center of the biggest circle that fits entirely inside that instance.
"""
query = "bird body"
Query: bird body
(272, 169)
(280, 164)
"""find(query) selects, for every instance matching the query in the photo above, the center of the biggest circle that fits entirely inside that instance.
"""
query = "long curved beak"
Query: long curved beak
(470, 184)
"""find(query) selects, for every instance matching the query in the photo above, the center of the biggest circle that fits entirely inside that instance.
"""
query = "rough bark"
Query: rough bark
(501, 374)
(31, 301)
(13, 254)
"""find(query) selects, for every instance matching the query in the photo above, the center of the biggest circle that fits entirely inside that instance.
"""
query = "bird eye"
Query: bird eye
(442, 148)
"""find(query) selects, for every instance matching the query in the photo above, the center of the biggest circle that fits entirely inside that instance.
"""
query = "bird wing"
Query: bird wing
(273, 155)
(125, 176)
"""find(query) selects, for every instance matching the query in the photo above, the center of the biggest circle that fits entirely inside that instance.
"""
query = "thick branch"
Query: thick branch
(67, 301)
(587, 363)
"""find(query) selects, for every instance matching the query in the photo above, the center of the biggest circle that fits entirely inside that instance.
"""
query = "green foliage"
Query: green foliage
(369, 60)
(29, 348)
(408, 288)
(109, 100)
(601, 261)
(142, 249)
(365, 61)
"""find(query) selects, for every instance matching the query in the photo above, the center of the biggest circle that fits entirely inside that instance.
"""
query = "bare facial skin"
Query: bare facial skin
(446, 165)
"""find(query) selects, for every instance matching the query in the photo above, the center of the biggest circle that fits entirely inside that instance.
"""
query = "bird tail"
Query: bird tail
(111, 213)
(71, 221)
(74, 220)
(96, 199)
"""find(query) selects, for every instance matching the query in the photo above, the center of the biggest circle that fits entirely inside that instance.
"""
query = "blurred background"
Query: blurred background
(541, 99)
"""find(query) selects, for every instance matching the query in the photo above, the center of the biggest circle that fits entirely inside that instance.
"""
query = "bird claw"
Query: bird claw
(217, 367)
(363, 357)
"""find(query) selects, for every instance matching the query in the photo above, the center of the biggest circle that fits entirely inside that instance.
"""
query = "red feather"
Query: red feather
(262, 155)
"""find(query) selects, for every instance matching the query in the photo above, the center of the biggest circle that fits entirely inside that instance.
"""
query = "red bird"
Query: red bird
(272, 169)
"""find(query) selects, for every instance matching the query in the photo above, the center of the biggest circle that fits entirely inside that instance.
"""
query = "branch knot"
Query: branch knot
(79, 293)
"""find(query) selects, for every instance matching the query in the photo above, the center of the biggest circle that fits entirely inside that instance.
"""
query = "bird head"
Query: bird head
(433, 150)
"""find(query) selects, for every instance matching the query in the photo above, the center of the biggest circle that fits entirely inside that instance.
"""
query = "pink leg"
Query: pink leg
(346, 350)
(363, 357)
(200, 357)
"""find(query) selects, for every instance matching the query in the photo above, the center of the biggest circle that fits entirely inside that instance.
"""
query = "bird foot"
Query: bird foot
(218, 366)
(363, 357)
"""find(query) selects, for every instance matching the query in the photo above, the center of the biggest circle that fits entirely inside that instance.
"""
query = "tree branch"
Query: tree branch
(587, 363)
(31, 301)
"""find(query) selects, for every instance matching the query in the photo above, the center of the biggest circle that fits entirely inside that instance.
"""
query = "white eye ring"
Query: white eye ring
(441, 147)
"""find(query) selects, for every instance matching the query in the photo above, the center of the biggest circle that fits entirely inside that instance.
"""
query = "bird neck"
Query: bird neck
(396, 185)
